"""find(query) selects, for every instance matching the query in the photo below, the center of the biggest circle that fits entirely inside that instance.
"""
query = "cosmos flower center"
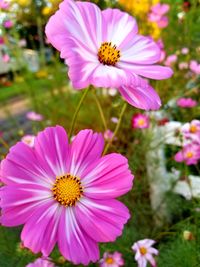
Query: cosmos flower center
(67, 190)
(193, 129)
(189, 155)
(108, 54)
(143, 250)
(109, 260)
(141, 122)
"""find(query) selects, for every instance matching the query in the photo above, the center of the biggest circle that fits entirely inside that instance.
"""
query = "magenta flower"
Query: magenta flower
(111, 260)
(190, 154)
(33, 116)
(109, 53)
(160, 9)
(29, 140)
(41, 263)
(194, 67)
(1, 40)
(186, 102)
(140, 121)
(65, 193)
(170, 60)
(8, 24)
(144, 252)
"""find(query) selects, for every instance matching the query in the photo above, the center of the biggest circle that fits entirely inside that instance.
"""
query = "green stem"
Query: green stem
(117, 128)
(100, 111)
(77, 110)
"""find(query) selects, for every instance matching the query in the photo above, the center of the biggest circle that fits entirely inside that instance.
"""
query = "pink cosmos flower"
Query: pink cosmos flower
(194, 66)
(183, 65)
(190, 154)
(29, 140)
(108, 134)
(108, 53)
(140, 121)
(144, 252)
(111, 260)
(33, 116)
(41, 263)
(192, 130)
(185, 50)
(65, 193)
(157, 15)
(4, 5)
(186, 102)
(170, 60)
(6, 58)
(8, 24)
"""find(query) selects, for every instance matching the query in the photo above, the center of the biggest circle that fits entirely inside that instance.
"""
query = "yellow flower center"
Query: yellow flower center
(108, 54)
(143, 250)
(193, 128)
(67, 190)
(141, 122)
(109, 260)
(189, 154)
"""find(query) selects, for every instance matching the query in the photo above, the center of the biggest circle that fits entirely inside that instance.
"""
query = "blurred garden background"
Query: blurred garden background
(35, 92)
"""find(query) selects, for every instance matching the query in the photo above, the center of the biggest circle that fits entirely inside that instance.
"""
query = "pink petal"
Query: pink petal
(109, 177)
(179, 156)
(102, 220)
(52, 151)
(73, 242)
(85, 149)
(40, 231)
(151, 259)
(22, 166)
(143, 97)
(118, 27)
(18, 202)
(78, 22)
(149, 71)
(140, 50)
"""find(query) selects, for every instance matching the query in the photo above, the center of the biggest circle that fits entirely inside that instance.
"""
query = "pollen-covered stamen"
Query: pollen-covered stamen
(143, 250)
(193, 128)
(189, 155)
(108, 54)
(67, 190)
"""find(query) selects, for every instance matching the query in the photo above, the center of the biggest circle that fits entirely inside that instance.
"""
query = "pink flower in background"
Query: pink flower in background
(33, 116)
(4, 5)
(190, 154)
(1, 40)
(157, 15)
(108, 135)
(114, 120)
(6, 58)
(160, 9)
(110, 53)
(185, 50)
(65, 193)
(140, 121)
(22, 43)
(183, 65)
(29, 140)
(194, 66)
(144, 252)
(192, 130)
(170, 60)
(186, 102)
(8, 24)
(41, 263)
(111, 260)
